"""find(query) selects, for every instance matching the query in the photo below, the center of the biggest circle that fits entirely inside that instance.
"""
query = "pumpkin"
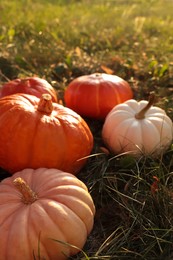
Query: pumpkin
(41, 211)
(139, 128)
(30, 85)
(39, 133)
(96, 94)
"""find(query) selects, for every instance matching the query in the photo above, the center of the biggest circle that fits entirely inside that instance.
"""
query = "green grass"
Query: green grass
(43, 33)
(60, 40)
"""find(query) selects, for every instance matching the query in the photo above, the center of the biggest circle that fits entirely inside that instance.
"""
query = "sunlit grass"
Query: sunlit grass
(92, 25)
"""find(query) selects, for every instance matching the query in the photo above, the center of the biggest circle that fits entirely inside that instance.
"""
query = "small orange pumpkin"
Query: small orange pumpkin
(96, 94)
(39, 133)
(39, 208)
(30, 85)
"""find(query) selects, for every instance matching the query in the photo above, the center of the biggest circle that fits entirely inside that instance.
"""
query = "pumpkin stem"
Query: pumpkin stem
(97, 74)
(141, 114)
(45, 104)
(28, 195)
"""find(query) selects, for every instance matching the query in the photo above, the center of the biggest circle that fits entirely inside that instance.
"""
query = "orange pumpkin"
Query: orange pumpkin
(30, 85)
(39, 207)
(96, 94)
(39, 133)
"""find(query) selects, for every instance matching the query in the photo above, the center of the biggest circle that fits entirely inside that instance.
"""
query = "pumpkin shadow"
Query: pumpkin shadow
(4, 174)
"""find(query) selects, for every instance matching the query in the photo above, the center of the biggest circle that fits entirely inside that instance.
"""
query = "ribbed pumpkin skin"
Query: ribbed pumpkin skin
(33, 139)
(64, 210)
(96, 94)
(122, 132)
(31, 85)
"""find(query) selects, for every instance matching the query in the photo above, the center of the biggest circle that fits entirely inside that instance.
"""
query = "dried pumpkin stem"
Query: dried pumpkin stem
(97, 74)
(28, 195)
(141, 114)
(25, 81)
(45, 104)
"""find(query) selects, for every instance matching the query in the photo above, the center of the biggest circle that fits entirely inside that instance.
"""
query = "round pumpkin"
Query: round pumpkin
(138, 128)
(39, 133)
(96, 94)
(30, 85)
(42, 211)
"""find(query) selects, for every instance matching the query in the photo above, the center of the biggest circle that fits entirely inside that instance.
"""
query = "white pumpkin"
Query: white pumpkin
(138, 128)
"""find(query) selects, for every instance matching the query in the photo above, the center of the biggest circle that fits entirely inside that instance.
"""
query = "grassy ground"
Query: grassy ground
(60, 40)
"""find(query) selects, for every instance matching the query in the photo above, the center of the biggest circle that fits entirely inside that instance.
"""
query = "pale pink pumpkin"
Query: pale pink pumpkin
(40, 206)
